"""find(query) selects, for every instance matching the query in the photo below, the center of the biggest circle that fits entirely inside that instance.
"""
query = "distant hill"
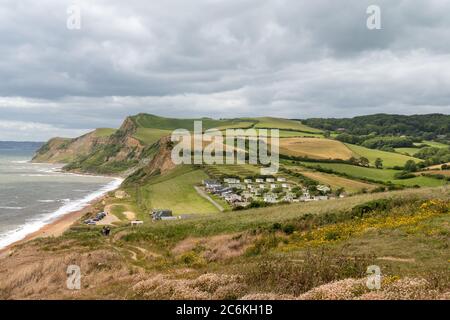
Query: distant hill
(141, 137)
(428, 126)
(136, 142)
(20, 145)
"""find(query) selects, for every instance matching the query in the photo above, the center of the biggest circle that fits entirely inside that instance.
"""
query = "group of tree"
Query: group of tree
(362, 161)
(371, 141)
(424, 127)
(432, 155)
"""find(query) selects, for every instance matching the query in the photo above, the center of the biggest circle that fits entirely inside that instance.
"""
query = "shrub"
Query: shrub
(282, 275)
(369, 207)
(288, 229)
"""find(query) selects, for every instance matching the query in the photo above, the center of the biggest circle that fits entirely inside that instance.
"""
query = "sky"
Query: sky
(216, 58)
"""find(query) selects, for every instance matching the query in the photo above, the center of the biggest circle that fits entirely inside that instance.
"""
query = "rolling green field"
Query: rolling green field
(436, 144)
(384, 175)
(104, 132)
(155, 122)
(412, 151)
(315, 148)
(268, 122)
(390, 159)
(241, 171)
(290, 134)
(175, 191)
(149, 135)
(332, 180)
(407, 151)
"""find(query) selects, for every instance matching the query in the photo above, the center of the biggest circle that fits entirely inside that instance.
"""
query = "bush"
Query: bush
(288, 229)
(404, 175)
(371, 206)
(285, 276)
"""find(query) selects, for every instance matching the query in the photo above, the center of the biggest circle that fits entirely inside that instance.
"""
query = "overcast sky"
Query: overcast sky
(217, 58)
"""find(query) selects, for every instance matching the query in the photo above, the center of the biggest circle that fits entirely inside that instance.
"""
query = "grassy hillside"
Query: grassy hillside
(174, 191)
(334, 181)
(315, 148)
(304, 251)
(407, 151)
(149, 136)
(436, 144)
(155, 122)
(104, 132)
(385, 175)
(268, 122)
(390, 159)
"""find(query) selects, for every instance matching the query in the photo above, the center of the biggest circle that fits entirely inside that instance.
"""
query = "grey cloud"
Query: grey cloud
(219, 58)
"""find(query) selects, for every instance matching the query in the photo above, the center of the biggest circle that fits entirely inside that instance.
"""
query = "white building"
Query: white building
(248, 180)
(281, 179)
(270, 180)
(270, 198)
(323, 188)
(259, 180)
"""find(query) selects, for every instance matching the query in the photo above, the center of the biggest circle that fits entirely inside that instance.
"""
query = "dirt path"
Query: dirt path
(396, 259)
(203, 194)
(130, 215)
(110, 218)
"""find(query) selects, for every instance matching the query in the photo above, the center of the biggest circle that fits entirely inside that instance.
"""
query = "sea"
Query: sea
(33, 195)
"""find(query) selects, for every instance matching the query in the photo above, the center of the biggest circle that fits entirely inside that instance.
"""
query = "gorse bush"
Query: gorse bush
(294, 277)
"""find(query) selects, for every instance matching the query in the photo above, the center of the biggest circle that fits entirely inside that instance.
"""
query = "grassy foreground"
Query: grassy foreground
(298, 251)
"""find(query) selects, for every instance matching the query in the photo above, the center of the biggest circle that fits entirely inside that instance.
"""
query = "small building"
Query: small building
(136, 223)
(248, 180)
(285, 185)
(159, 214)
(208, 183)
(231, 180)
(273, 186)
(281, 179)
(222, 190)
(270, 198)
(320, 198)
(323, 188)
(232, 197)
(259, 180)
(270, 180)
(262, 186)
(257, 192)
(247, 195)
(305, 198)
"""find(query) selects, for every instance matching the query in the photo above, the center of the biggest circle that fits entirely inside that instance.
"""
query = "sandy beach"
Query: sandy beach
(55, 228)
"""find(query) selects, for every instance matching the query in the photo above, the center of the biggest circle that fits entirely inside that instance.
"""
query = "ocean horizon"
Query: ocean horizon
(33, 195)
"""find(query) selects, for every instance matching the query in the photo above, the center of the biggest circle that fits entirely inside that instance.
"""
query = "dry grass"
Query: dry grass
(315, 148)
(204, 287)
(356, 289)
(216, 248)
(35, 274)
(208, 258)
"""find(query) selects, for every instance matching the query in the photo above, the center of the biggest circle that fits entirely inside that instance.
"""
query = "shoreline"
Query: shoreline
(64, 221)
(55, 228)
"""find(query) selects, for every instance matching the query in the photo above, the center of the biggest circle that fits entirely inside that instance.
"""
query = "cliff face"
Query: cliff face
(160, 163)
(62, 150)
(118, 152)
